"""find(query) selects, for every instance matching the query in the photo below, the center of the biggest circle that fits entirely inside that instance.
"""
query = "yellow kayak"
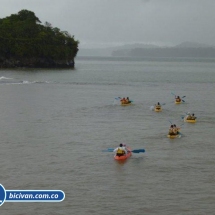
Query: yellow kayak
(176, 102)
(126, 104)
(173, 136)
(190, 120)
(157, 109)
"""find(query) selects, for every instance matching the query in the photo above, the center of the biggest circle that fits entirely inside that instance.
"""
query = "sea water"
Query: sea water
(55, 125)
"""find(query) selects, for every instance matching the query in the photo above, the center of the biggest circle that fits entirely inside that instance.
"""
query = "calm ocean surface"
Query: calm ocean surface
(55, 124)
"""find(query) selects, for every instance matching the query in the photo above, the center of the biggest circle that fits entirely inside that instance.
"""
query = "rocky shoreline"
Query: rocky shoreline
(36, 63)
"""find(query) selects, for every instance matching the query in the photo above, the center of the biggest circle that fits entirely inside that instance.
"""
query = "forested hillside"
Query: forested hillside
(25, 42)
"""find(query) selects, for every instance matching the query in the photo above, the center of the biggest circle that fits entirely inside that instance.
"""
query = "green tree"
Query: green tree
(23, 37)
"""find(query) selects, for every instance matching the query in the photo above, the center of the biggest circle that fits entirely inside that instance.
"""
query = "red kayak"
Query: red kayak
(125, 156)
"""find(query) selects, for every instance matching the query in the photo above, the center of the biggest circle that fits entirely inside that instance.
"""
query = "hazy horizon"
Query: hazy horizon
(190, 44)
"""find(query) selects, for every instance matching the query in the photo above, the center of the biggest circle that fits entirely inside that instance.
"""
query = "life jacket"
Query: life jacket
(193, 117)
(120, 151)
(171, 131)
(175, 130)
(123, 101)
(128, 101)
(189, 117)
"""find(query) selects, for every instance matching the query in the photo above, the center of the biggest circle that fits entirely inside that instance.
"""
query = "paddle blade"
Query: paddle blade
(108, 150)
(117, 98)
(138, 150)
(183, 96)
(182, 100)
(173, 93)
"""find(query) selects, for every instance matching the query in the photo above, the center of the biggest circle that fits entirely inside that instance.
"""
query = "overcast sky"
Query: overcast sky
(114, 22)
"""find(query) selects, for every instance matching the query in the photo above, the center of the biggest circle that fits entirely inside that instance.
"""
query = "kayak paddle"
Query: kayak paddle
(134, 151)
(138, 150)
(121, 98)
(181, 97)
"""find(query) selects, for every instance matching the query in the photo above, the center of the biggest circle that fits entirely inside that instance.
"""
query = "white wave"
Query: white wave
(152, 108)
(27, 82)
(1, 78)
(42, 82)
(35, 82)
(21, 82)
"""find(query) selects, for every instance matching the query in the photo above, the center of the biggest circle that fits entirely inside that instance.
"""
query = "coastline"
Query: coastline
(36, 63)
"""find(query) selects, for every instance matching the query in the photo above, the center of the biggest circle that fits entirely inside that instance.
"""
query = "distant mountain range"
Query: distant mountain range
(109, 51)
(185, 49)
(192, 45)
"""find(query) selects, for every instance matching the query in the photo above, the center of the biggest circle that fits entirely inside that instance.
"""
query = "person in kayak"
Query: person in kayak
(123, 100)
(193, 116)
(158, 105)
(172, 130)
(177, 99)
(121, 150)
(176, 129)
(190, 116)
(128, 100)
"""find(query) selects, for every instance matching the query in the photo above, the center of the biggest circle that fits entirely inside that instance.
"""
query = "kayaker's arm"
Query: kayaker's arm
(115, 149)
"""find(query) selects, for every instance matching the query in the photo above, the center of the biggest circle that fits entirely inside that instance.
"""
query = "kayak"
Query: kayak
(126, 104)
(173, 136)
(157, 109)
(190, 120)
(125, 156)
(177, 102)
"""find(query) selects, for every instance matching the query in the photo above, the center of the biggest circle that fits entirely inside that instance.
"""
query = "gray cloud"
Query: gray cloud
(106, 22)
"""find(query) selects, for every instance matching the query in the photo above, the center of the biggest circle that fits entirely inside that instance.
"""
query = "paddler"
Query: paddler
(177, 99)
(121, 150)
(158, 105)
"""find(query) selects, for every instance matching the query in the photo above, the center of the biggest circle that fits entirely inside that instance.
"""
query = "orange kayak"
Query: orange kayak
(123, 157)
